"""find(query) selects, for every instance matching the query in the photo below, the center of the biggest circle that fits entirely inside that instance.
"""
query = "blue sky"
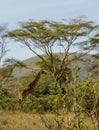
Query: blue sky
(14, 11)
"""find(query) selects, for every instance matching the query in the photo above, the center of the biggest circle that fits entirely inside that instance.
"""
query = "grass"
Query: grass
(17, 120)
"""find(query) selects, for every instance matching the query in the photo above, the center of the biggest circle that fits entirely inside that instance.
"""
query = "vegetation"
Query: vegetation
(61, 99)
(18, 120)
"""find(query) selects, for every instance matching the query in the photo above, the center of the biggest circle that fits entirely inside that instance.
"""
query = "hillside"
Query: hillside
(22, 72)
(84, 63)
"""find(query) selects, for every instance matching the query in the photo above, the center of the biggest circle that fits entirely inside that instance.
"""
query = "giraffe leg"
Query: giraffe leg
(20, 98)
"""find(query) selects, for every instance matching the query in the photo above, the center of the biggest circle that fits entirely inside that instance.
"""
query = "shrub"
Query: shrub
(8, 103)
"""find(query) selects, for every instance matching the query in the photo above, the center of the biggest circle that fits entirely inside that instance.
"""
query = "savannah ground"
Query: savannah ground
(18, 120)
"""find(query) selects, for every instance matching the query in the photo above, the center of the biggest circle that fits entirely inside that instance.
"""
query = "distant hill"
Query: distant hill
(20, 72)
(84, 63)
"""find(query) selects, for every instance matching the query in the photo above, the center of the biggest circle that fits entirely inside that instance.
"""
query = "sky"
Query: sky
(14, 11)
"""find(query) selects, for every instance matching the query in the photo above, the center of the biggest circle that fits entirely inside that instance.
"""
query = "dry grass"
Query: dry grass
(20, 121)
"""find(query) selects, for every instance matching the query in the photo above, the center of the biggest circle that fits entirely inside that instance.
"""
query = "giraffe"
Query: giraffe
(29, 89)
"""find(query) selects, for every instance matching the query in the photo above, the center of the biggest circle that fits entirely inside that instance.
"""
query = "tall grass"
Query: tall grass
(18, 120)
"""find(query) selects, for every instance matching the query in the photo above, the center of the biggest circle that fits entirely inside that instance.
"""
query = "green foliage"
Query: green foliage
(8, 103)
(84, 104)
(3, 93)
(44, 103)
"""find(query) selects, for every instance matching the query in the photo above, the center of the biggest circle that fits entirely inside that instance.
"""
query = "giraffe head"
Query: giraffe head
(42, 72)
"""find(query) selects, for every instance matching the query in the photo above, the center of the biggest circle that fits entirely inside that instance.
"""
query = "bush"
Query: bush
(8, 103)
(48, 103)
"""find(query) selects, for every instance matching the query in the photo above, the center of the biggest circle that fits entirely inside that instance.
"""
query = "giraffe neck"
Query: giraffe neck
(33, 84)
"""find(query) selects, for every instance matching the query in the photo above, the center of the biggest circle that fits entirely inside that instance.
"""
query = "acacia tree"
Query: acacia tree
(9, 64)
(94, 41)
(48, 35)
(94, 46)
(3, 42)
(3, 49)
